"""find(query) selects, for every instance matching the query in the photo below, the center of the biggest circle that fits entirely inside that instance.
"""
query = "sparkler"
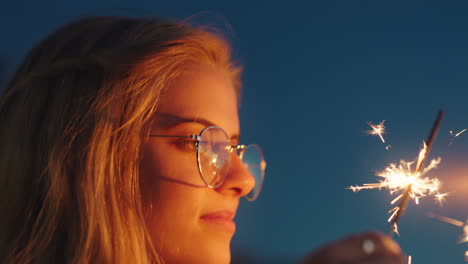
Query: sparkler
(402, 178)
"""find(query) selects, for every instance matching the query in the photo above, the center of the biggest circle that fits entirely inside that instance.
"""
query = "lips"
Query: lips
(220, 219)
(226, 215)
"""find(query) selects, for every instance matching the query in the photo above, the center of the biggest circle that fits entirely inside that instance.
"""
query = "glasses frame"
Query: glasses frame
(240, 150)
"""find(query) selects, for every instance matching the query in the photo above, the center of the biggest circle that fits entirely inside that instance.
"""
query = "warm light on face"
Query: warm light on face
(189, 222)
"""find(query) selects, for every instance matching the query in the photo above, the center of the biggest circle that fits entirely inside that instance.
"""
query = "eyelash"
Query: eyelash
(186, 143)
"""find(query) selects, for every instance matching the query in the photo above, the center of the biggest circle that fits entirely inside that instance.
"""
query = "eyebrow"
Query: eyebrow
(167, 121)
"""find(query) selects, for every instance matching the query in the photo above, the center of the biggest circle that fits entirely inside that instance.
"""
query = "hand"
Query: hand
(363, 248)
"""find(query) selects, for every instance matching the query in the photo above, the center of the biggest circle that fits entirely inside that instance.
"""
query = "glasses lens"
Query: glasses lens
(213, 156)
(253, 160)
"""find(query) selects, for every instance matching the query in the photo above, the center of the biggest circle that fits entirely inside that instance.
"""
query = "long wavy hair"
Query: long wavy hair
(72, 122)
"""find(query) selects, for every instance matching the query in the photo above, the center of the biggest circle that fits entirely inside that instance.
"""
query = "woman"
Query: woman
(119, 142)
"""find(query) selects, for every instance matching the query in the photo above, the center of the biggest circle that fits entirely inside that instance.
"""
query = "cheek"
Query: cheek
(163, 161)
(172, 210)
(167, 175)
(173, 199)
(165, 180)
(172, 216)
(173, 222)
(171, 207)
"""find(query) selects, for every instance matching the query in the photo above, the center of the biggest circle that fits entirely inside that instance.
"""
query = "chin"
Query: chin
(215, 254)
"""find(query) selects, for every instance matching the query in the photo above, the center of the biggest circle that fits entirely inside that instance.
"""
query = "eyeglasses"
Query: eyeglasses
(213, 158)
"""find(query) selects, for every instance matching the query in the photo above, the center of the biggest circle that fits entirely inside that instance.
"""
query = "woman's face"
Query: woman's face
(189, 222)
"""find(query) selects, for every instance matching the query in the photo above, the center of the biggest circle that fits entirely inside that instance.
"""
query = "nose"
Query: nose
(238, 182)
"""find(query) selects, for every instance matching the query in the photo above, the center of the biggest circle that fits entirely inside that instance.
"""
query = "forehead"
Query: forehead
(203, 91)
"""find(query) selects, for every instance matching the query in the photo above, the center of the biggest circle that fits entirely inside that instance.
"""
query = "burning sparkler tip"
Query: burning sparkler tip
(406, 178)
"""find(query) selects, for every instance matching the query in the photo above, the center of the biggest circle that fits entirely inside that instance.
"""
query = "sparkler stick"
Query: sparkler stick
(430, 140)
(401, 208)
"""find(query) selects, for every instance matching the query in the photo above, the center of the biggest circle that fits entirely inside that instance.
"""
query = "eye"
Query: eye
(186, 144)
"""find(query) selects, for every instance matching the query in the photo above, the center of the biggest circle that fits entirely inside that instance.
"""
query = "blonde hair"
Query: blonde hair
(72, 121)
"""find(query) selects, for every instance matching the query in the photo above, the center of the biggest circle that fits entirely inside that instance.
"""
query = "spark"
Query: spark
(463, 238)
(377, 130)
(463, 225)
(455, 135)
(458, 134)
(403, 179)
(409, 259)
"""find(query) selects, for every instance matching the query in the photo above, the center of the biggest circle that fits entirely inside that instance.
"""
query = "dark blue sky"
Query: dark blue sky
(315, 73)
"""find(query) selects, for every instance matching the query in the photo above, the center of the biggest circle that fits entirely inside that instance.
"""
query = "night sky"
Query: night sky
(315, 73)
